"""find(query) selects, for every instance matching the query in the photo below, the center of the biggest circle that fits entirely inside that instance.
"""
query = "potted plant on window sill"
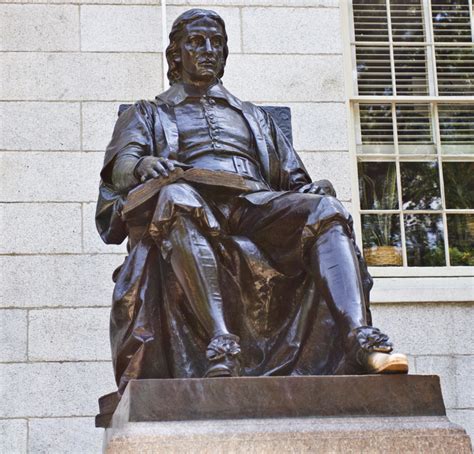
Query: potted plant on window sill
(381, 237)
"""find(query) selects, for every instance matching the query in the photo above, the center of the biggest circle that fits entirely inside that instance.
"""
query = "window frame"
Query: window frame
(457, 281)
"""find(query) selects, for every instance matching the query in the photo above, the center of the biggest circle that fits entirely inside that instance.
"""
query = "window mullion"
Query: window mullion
(441, 185)
(395, 135)
(355, 84)
(430, 61)
(399, 184)
(432, 71)
(471, 18)
(390, 39)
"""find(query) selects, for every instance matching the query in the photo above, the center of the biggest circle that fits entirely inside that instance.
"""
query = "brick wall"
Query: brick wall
(66, 66)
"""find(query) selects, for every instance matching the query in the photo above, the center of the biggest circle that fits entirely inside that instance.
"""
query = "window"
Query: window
(412, 120)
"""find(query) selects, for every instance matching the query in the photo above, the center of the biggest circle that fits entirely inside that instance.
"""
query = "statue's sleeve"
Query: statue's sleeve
(287, 169)
(132, 138)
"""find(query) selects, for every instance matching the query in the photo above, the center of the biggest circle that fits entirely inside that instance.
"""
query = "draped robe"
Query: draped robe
(283, 322)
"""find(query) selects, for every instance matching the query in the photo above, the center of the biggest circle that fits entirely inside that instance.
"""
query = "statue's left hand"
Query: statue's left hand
(321, 187)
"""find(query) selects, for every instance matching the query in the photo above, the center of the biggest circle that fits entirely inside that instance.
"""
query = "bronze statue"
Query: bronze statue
(237, 263)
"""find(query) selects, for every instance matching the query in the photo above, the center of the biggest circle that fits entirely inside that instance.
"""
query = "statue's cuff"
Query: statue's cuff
(135, 174)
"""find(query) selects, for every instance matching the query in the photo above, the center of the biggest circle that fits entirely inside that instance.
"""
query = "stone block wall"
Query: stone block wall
(66, 67)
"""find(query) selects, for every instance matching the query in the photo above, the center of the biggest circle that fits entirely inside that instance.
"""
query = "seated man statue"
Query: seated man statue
(263, 278)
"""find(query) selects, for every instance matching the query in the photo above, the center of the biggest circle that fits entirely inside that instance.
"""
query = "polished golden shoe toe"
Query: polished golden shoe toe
(386, 363)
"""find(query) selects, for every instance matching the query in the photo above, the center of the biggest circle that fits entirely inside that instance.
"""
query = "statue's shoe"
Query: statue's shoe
(386, 363)
(223, 355)
(372, 351)
(226, 367)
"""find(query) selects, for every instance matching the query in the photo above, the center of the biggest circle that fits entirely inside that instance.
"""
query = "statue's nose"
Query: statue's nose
(208, 45)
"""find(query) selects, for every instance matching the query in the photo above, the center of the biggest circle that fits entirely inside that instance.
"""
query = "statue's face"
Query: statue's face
(202, 51)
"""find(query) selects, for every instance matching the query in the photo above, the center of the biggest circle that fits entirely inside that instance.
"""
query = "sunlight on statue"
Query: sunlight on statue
(238, 264)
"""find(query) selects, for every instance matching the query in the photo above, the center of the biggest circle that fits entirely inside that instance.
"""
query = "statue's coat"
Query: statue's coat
(284, 325)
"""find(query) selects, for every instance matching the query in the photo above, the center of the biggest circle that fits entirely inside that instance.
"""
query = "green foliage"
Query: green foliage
(461, 258)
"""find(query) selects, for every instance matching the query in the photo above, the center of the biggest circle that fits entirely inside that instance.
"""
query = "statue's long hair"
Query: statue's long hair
(173, 53)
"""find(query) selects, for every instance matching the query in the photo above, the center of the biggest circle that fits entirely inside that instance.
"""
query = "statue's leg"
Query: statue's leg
(195, 266)
(314, 232)
(334, 264)
(179, 222)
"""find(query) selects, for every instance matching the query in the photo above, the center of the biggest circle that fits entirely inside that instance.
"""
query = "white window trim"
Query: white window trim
(399, 284)
(446, 289)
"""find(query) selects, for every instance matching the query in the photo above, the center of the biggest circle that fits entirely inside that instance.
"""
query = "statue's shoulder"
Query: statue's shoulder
(171, 97)
(258, 111)
(250, 106)
(142, 108)
(146, 104)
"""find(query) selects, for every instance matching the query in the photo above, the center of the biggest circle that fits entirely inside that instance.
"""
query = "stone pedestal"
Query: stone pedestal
(343, 414)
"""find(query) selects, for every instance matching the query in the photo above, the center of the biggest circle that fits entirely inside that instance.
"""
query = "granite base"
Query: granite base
(284, 414)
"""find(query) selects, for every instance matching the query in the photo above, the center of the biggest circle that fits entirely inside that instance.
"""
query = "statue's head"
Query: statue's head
(198, 47)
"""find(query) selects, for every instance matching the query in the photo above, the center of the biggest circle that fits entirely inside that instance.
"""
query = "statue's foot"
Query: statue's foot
(224, 368)
(223, 354)
(386, 363)
(373, 352)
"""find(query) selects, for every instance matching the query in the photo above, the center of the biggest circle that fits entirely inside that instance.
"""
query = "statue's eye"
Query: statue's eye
(216, 41)
(196, 40)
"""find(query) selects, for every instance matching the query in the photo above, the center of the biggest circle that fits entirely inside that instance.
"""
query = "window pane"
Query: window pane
(456, 124)
(381, 239)
(370, 20)
(378, 186)
(459, 184)
(414, 128)
(373, 71)
(455, 67)
(407, 20)
(451, 20)
(410, 70)
(424, 240)
(420, 185)
(461, 239)
(376, 128)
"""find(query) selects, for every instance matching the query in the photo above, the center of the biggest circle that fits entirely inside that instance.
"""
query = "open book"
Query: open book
(144, 192)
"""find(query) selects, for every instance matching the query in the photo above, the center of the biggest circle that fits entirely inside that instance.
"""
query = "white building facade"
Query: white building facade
(382, 100)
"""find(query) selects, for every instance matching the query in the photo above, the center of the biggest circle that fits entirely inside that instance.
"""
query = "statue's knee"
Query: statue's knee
(177, 193)
(181, 207)
(330, 206)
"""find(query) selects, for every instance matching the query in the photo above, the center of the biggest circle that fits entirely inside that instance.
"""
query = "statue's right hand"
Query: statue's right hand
(153, 167)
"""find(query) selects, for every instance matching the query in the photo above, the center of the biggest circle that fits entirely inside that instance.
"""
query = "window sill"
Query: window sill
(421, 271)
(453, 285)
